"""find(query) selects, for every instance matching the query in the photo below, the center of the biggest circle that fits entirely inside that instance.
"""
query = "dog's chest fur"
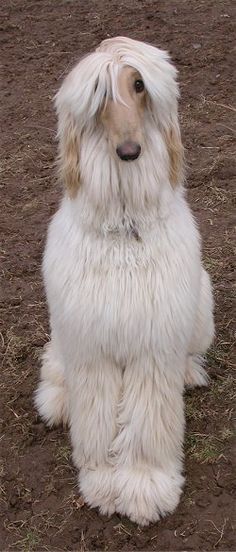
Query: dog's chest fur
(128, 291)
(128, 229)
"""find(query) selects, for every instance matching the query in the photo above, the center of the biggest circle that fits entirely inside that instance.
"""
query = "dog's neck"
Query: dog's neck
(117, 219)
(118, 197)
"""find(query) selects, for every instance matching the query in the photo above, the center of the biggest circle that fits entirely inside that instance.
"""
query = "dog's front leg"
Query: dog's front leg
(94, 395)
(148, 448)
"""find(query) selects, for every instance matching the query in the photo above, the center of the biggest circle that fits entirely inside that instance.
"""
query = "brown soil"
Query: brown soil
(39, 506)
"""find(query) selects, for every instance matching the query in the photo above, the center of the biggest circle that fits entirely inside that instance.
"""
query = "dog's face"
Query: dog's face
(121, 102)
(123, 121)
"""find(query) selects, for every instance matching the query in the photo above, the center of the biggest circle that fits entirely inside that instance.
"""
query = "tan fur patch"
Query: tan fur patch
(123, 121)
(69, 159)
(176, 154)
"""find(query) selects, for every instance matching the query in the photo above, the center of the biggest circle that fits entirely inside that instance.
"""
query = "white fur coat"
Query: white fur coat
(130, 304)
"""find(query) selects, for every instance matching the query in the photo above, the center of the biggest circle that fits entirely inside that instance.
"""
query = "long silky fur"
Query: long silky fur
(130, 304)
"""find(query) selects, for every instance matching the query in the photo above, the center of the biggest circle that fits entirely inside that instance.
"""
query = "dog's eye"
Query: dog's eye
(139, 86)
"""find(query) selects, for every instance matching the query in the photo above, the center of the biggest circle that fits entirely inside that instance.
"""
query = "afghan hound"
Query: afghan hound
(130, 303)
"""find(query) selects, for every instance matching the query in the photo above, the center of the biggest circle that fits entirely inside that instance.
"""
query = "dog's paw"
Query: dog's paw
(144, 494)
(97, 488)
(52, 403)
(195, 374)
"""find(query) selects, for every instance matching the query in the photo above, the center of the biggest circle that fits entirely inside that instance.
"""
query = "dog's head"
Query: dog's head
(121, 100)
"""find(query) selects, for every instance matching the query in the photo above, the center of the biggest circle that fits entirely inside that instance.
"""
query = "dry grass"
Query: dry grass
(213, 407)
(204, 448)
(30, 542)
(205, 406)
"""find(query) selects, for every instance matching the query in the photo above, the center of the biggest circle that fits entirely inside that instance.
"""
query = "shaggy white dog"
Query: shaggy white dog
(130, 304)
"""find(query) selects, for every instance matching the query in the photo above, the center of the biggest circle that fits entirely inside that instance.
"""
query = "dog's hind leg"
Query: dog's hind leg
(94, 395)
(202, 338)
(51, 398)
(148, 447)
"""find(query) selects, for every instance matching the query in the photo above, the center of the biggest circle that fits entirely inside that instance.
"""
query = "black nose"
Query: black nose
(128, 151)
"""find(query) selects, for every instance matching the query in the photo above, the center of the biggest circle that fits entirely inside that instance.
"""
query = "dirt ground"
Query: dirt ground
(40, 508)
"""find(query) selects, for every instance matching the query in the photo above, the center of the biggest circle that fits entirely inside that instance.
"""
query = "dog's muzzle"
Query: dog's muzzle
(128, 151)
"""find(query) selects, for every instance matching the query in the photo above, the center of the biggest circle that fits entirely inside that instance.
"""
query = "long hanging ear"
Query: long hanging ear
(68, 159)
(176, 152)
